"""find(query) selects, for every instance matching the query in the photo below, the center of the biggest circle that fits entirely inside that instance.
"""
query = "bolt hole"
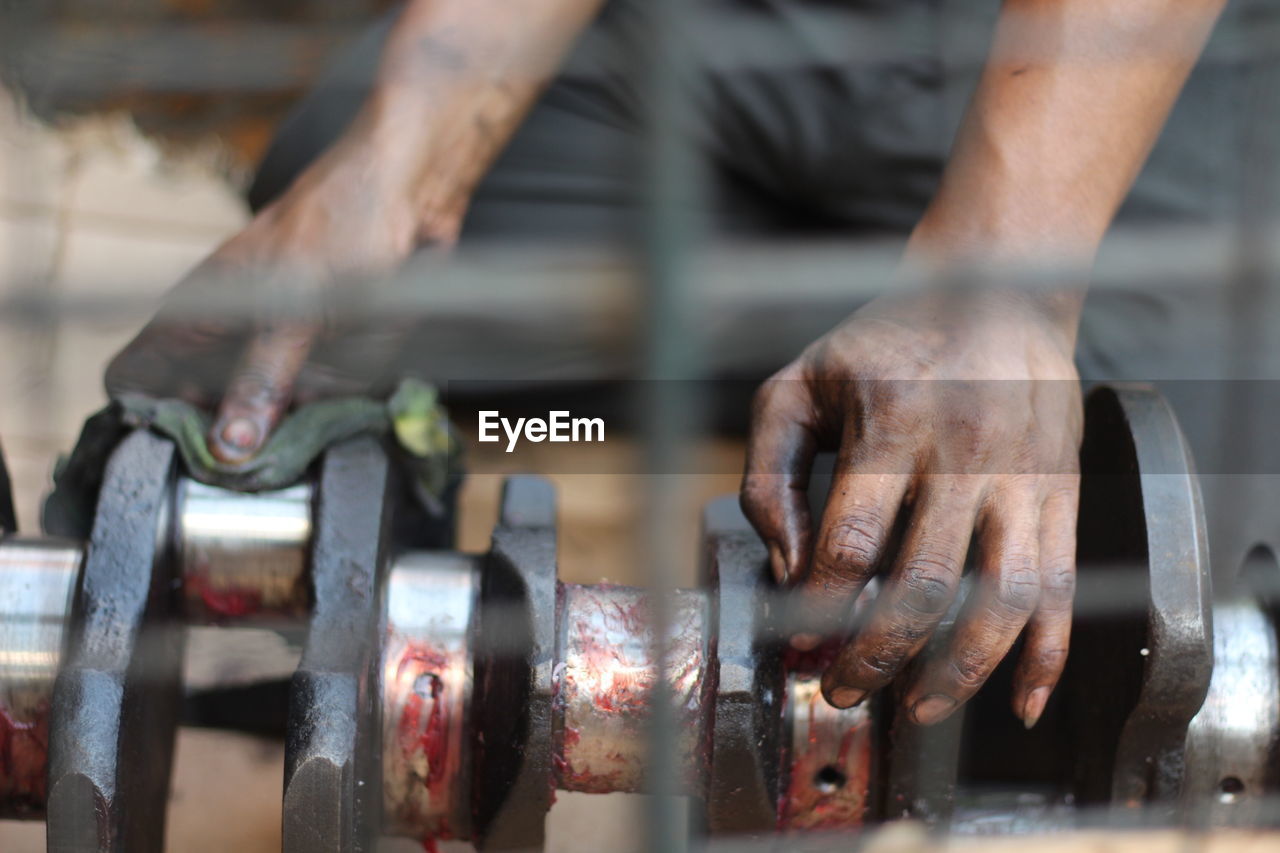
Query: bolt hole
(829, 779)
(1231, 787)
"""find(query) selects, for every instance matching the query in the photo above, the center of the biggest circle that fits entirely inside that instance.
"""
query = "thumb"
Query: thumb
(780, 452)
(259, 391)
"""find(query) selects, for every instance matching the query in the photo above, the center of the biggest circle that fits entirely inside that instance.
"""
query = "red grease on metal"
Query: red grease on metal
(839, 740)
(811, 661)
(432, 741)
(230, 602)
(606, 680)
(24, 755)
(808, 807)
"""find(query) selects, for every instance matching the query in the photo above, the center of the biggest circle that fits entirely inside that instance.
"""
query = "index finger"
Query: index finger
(260, 390)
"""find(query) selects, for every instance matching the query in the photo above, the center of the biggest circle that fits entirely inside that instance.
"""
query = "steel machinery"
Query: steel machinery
(450, 695)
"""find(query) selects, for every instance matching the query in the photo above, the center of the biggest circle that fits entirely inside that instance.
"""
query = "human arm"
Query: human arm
(455, 79)
(955, 410)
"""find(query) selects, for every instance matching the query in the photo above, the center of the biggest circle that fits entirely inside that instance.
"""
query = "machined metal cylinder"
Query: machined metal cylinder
(607, 674)
(37, 586)
(1233, 742)
(829, 758)
(426, 680)
(243, 555)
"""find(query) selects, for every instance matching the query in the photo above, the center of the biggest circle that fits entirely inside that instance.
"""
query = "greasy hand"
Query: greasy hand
(274, 333)
(957, 418)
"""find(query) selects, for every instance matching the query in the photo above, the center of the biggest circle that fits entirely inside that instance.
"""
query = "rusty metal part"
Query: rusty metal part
(830, 760)
(606, 676)
(243, 555)
(37, 582)
(332, 796)
(426, 675)
(116, 699)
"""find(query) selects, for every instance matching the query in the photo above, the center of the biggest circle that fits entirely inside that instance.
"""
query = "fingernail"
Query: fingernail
(1034, 706)
(847, 697)
(240, 433)
(931, 709)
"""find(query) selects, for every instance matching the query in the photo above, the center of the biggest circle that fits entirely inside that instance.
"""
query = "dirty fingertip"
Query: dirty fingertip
(235, 439)
(845, 697)
(1033, 706)
(932, 709)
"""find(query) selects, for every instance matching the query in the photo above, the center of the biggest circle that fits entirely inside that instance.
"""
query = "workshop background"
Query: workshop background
(120, 189)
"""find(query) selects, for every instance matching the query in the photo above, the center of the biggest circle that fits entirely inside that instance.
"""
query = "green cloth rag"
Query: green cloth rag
(412, 416)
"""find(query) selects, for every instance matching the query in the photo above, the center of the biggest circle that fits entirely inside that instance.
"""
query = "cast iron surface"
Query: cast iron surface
(1179, 663)
(920, 764)
(1142, 653)
(746, 739)
(515, 658)
(116, 701)
(332, 797)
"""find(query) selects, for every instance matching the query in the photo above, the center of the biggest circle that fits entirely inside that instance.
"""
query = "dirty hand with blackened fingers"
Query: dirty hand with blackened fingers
(956, 411)
(455, 79)
(957, 421)
(254, 327)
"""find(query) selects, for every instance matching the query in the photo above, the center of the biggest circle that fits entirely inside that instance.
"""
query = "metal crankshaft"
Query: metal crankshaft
(448, 695)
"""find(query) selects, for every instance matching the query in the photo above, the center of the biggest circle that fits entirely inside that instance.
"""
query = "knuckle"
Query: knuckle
(766, 401)
(1058, 587)
(896, 404)
(1018, 589)
(973, 424)
(970, 668)
(832, 589)
(855, 542)
(909, 633)
(880, 664)
(257, 386)
(1050, 660)
(1064, 487)
(762, 399)
(928, 585)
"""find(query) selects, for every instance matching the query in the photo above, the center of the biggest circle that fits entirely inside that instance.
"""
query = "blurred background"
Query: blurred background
(123, 182)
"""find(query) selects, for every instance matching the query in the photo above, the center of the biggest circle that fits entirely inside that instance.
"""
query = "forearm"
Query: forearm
(456, 79)
(1071, 100)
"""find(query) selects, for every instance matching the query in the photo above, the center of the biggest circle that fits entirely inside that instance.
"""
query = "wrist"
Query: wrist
(1003, 262)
